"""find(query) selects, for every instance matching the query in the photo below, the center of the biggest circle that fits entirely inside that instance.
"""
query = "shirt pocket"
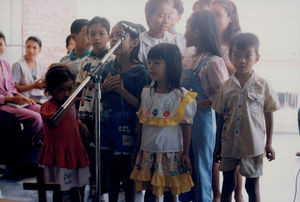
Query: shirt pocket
(255, 102)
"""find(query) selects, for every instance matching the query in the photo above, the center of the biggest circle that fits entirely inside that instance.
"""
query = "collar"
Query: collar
(251, 81)
(74, 57)
(100, 55)
(145, 37)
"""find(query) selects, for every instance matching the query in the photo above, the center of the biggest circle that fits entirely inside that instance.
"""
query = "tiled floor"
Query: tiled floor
(277, 183)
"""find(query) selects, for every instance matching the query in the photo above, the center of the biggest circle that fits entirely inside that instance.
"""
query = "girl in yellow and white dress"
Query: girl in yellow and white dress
(166, 112)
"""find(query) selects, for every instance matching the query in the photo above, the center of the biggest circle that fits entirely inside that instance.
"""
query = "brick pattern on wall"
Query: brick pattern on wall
(50, 20)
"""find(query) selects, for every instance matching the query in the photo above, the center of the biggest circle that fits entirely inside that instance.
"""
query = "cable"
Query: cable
(296, 186)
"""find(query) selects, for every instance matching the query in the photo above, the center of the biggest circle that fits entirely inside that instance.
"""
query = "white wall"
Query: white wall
(11, 26)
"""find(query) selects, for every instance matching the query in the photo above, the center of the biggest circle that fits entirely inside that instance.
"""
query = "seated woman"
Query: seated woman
(28, 73)
(11, 101)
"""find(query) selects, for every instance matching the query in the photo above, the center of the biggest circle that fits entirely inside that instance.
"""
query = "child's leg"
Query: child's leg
(216, 182)
(58, 196)
(81, 191)
(252, 188)
(169, 197)
(228, 185)
(75, 195)
(238, 196)
(126, 168)
(149, 196)
(115, 179)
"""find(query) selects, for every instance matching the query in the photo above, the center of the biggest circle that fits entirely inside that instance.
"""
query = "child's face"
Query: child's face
(127, 45)
(243, 60)
(71, 45)
(190, 35)
(161, 19)
(2, 46)
(98, 37)
(32, 48)
(157, 70)
(222, 16)
(81, 39)
(62, 93)
(175, 19)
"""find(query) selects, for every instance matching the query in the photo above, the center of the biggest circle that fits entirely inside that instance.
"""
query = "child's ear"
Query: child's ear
(73, 36)
(135, 42)
(257, 57)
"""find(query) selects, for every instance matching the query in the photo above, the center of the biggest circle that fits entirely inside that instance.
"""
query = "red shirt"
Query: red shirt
(62, 145)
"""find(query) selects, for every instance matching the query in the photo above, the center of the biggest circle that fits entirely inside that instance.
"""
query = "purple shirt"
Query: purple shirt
(7, 85)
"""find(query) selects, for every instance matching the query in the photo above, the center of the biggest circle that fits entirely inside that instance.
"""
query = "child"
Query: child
(159, 17)
(245, 104)
(98, 34)
(176, 16)
(166, 112)
(28, 114)
(29, 73)
(70, 44)
(62, 154)
(82, 45)
(122, 82)
(204, 72)
(229, 25)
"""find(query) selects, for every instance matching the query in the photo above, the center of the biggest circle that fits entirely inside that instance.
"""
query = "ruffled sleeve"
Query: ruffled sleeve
(48, 109)
(189, 113)
(177, 114)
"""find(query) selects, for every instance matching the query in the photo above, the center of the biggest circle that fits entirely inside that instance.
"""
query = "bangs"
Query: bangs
(155, 53)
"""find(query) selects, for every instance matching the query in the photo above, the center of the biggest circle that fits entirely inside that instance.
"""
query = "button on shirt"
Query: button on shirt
(243, 109)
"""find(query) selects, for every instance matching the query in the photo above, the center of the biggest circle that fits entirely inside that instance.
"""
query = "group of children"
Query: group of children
(170, 113)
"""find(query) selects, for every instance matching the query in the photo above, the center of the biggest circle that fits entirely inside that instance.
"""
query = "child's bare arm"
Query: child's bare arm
(186, 133)
(269, 130)
(218, 147)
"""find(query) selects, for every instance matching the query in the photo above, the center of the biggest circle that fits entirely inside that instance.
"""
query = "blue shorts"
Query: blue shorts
(118, 131)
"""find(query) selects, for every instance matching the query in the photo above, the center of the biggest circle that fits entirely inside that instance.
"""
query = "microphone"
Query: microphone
(134, 33)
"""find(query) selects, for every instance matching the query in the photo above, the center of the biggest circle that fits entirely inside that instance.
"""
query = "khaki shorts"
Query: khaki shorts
(250, 167)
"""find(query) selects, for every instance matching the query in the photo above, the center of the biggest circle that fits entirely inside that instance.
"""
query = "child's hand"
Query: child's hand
(270, 153)
(84, 131)
(21, 99)
(118, 87)
(185, 161)
(110, 82)
(217, 154)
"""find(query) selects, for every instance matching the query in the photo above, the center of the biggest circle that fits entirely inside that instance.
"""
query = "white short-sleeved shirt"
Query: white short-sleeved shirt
(212, 75)
(162, 116)
(243, 133)
(147, 42)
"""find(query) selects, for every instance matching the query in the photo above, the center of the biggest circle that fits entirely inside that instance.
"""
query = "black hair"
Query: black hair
(207, 25)
(2, 36)
(56, 75)
(234, 25)
(171, 55)
(99, 20)
(152, 5)
(243, 41)
(68, 40)
(201, 4)
(35, 39)
(178, 5)
(134, 59)
(77, 25)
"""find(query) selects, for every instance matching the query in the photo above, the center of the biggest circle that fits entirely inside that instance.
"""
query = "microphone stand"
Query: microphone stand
(96, 78)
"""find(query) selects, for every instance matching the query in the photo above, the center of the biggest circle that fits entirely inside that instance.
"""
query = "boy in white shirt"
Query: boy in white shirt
(245, 105)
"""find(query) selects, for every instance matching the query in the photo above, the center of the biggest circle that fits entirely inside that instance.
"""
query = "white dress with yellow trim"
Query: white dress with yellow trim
(158, 166)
